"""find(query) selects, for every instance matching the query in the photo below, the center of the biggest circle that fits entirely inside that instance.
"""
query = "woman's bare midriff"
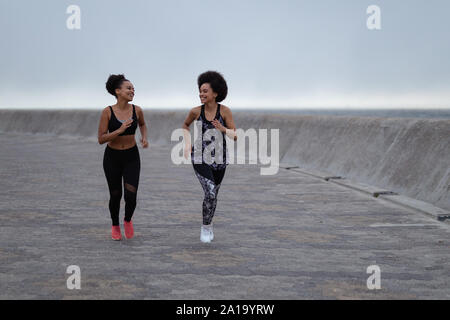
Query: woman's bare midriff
(123, 142)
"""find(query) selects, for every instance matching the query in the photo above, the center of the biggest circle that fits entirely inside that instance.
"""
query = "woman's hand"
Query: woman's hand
(219, 126)
(125, 125)
(144, 142)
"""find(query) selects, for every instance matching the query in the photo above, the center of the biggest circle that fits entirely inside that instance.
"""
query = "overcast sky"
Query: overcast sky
(273, 54)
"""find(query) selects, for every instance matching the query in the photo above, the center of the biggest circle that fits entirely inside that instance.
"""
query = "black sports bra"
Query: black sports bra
(115, 123)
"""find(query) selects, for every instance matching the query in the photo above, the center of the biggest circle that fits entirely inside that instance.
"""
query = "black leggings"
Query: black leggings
(118, 164)
(210, 180)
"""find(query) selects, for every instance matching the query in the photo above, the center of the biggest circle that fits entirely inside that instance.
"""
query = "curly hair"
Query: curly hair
(217, 83)
(115, 82)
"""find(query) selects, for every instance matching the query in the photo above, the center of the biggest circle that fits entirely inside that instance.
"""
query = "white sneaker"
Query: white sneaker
(205, 235)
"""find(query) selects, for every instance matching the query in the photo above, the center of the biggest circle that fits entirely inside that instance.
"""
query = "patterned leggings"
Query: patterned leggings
(210, 180)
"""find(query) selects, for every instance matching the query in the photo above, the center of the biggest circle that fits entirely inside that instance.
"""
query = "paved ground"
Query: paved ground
(289, 236)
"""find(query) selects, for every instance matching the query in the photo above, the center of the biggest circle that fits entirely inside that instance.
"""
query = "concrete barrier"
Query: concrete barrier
(408, 156)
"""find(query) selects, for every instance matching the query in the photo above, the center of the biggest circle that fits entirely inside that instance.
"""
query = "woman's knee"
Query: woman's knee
(210, 196)
(130, 193)
(116, 195)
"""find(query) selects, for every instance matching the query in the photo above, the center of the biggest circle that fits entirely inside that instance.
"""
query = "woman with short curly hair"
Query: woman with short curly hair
(215, 121)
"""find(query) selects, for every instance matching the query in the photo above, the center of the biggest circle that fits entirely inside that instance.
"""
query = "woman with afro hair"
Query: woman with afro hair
(215, 121)
(117, 127)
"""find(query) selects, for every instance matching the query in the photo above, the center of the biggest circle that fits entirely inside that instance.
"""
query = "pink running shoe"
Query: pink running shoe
(129, 232)
(115, 233)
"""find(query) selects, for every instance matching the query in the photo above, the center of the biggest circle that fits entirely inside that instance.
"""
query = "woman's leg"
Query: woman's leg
(131, 174)
(207, 178)
(113, 172)
(218, 177)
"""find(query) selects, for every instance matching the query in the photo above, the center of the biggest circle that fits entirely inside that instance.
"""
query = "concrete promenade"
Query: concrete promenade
(287, 236)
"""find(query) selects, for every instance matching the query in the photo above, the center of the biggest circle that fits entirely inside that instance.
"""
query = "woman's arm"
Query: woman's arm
(230, 129)
(142, 127)
(103, 135)
(193, 114)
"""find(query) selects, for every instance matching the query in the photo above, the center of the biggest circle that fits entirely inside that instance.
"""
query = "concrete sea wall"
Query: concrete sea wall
(410, 156)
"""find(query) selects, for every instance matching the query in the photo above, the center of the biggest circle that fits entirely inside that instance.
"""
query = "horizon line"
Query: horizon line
(247, 108)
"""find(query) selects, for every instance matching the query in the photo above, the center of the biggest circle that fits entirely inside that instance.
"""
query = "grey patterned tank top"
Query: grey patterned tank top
(204, 141)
